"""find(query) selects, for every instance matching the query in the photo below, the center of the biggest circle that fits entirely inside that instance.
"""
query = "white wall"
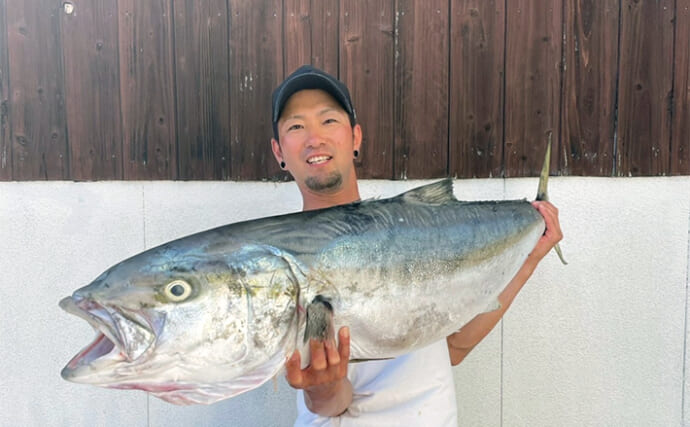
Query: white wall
(598, 342)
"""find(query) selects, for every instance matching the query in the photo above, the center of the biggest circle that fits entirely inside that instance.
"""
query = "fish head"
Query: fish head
(183, 317)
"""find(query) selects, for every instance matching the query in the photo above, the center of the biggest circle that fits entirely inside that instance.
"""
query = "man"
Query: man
(316, 139)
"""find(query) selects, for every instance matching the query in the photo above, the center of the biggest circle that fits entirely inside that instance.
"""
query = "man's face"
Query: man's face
(317, 141)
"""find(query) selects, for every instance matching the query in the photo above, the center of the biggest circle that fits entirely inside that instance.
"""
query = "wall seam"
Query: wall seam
(614, 156)
(449, 70)
(685, 327)
(143, 234)
(121, 118)
(672, 94)
(504, 88)
(9, 147)
(175, 115)
(61, 60)
(502, 348)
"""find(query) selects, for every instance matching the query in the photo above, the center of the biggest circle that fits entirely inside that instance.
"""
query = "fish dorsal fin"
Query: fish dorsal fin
(437, 193)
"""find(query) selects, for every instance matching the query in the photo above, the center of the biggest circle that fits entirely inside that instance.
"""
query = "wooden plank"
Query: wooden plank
(366, 66)
(325, 21)
(421, 102)
(297, 45)
(38, 126)
(311, 35)
(680, 137)
(5, 140)
(202, 62)
(533, 78)
(477, 49)
(146, 89)
(644, 94)
(92, 90)
(589, 97)
(256, 69)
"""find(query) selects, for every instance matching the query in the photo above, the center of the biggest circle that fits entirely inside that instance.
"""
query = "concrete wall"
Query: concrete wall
(598, 342)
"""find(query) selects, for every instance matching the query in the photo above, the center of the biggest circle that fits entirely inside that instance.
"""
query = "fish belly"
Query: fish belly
(407, 312)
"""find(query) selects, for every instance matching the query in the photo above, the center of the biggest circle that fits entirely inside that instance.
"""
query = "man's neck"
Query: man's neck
(314, 200)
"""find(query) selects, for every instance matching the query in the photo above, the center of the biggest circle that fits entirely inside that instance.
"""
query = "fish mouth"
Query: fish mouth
(121, 336)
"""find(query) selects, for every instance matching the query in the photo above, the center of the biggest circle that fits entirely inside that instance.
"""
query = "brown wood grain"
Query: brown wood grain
(202, 61)
(177, 89)
(421, 90)
(477, 49)
(680, 137)
(325, 33)
(90, 52)
(367, 67)
(38, 123)
(644, 95)
(297, 41)
(311, 35)
(256, 69)
(5, 140)
(533, 84)
(589, 96)
(146, 73)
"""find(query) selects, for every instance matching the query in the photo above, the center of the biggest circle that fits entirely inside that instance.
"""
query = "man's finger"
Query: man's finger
(344, 348)
(318, 355)
(344, 343)
(332, 353)
(293, 371)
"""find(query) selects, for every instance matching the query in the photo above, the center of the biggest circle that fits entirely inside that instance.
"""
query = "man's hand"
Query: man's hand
(327, 390)
(553, 233)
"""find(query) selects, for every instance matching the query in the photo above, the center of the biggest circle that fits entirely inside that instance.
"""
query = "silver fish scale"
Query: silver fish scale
(416, 267)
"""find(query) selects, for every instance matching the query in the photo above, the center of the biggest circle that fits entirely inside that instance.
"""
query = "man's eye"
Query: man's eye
(331, 120)
(294, 127)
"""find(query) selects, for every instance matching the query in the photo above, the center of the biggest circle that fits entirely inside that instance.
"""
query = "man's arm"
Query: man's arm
(327, 390)
(463, 341)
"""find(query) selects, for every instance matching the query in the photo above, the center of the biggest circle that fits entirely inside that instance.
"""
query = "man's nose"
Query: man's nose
(314, 137)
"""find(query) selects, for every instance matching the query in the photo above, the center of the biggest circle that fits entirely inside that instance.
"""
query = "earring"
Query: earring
(356, 153)
(282, 165)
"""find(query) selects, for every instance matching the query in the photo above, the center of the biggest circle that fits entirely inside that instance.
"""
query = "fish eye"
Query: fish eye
(178, 290)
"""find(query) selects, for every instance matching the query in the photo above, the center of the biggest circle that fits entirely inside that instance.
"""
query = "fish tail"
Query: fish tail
(542, 191)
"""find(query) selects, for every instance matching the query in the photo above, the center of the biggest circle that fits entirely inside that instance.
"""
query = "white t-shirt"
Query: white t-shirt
(416, 389)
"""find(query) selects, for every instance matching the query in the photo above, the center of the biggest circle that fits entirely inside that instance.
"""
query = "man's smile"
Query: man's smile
(319, 159)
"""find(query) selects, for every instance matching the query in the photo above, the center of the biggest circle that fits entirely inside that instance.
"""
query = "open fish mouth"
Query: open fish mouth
(121, 335)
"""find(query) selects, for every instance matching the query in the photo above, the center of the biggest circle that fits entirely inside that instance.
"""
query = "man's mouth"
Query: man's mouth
(317, 160)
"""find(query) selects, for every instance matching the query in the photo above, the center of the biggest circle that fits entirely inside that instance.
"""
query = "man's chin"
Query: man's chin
(324, 184)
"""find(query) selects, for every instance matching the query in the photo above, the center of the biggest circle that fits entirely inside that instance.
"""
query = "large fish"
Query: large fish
(217, 313)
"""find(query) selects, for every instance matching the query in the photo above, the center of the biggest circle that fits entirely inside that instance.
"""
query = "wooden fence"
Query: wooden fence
(180, 89)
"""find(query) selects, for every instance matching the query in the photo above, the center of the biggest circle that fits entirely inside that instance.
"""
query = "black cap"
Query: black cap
(308, 77)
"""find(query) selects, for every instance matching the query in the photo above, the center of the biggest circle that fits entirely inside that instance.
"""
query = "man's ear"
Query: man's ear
(357, 137)
(277, 152)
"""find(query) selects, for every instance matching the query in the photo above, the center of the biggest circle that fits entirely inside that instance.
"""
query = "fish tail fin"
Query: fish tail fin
(542, 191)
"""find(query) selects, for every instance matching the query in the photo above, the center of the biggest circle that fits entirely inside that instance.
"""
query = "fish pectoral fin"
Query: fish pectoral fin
(319, 320)
(318, 326)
